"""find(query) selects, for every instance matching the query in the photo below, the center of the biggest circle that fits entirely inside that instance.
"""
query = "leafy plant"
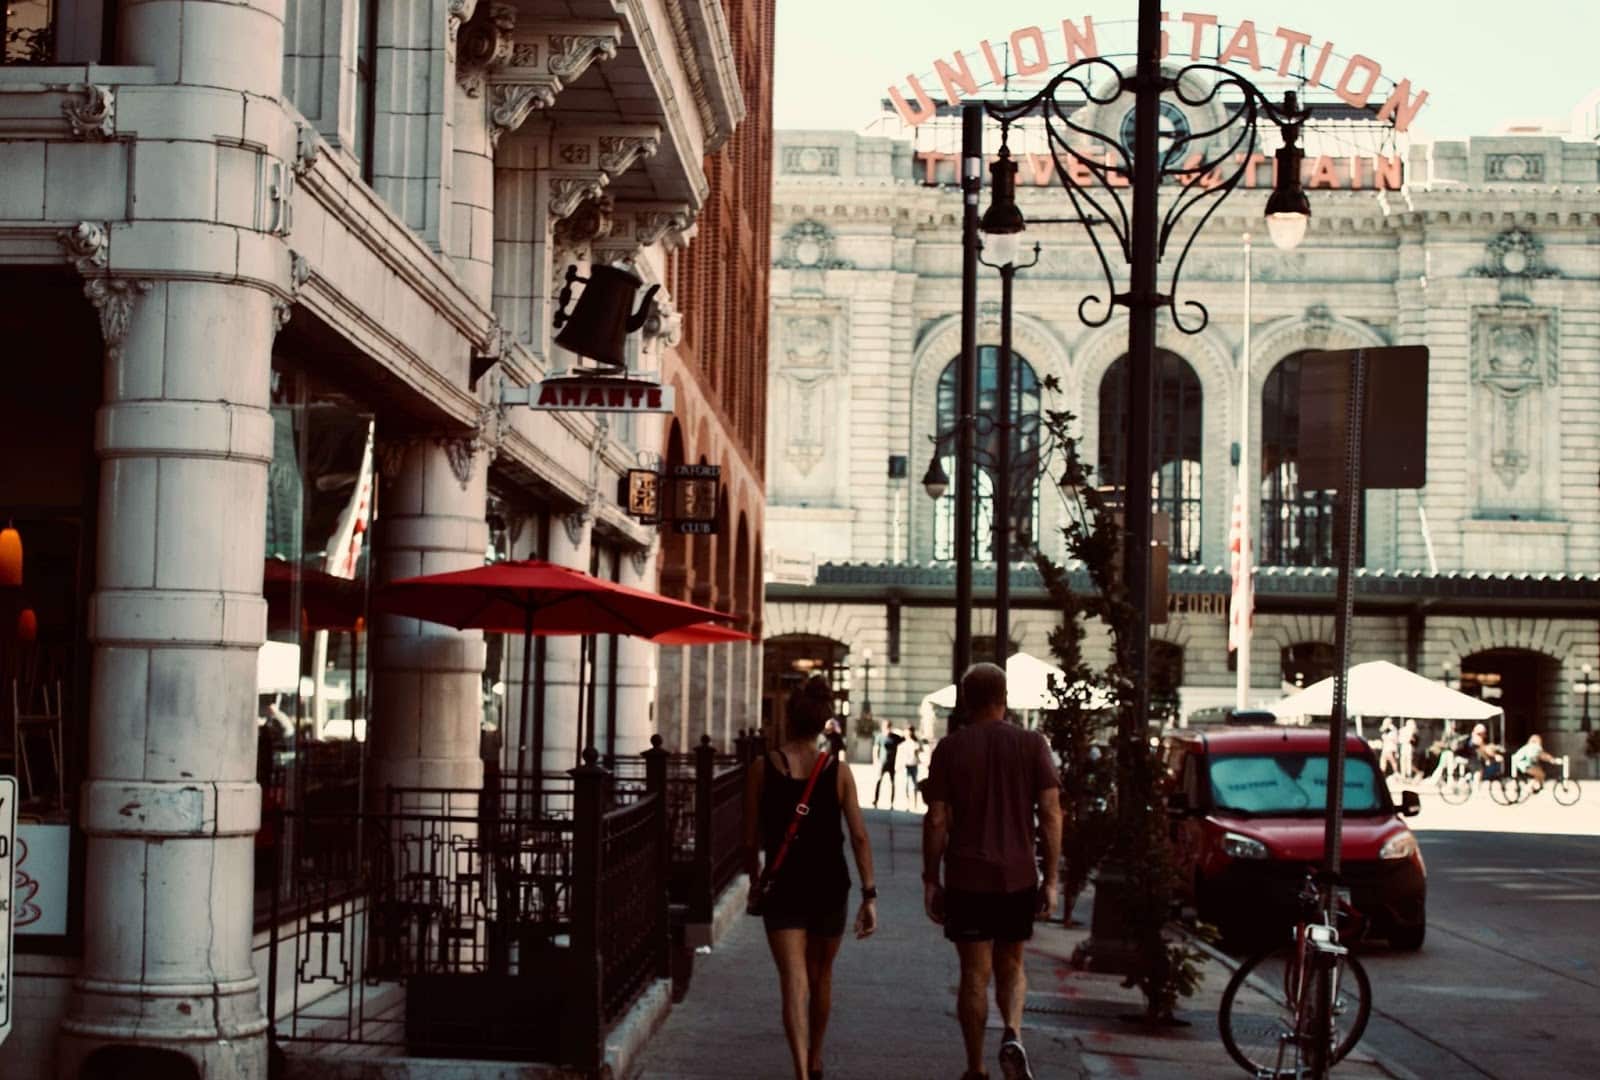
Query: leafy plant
(1095, 825)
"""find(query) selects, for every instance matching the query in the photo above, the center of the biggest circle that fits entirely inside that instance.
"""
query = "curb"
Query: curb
(1393, 1068)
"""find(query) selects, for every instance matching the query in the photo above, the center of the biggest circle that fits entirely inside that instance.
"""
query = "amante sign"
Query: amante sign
(1356, 80)
(592, 393)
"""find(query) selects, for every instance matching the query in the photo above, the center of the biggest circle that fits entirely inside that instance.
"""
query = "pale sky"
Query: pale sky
(1483, 64)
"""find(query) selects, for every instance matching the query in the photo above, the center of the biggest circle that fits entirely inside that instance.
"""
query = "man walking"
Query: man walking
(986, 783)
(888, 749)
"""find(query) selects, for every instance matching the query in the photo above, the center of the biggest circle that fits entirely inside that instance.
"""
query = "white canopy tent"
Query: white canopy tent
(1379, 688)
(1028, 681)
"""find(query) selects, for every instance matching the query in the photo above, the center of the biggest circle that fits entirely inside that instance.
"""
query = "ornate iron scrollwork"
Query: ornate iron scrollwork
(1224, 150)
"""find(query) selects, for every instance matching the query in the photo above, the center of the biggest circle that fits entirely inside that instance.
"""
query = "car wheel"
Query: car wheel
(1408, 938)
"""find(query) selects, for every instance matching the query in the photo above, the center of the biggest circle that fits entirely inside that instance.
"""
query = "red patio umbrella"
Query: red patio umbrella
(701, 634)
(536, 598)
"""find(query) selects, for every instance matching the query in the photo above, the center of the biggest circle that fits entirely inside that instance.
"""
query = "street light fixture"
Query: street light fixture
(866, 687)
(1288, 209)
(935, 481)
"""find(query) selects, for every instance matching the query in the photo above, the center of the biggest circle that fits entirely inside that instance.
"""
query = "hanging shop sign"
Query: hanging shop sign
(592, 393)
(641, 495)
(1030, 52)
(684, 497)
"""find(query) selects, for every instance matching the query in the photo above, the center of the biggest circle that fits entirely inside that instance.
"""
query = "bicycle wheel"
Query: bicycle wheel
(1257, 1015)
(1454, 790)
(1566, 792)
(1506, 792)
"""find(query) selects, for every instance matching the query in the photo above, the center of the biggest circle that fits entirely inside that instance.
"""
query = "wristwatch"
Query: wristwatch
(869, 892)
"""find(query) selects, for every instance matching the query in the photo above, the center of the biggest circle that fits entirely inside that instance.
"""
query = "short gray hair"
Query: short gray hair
(984, 686)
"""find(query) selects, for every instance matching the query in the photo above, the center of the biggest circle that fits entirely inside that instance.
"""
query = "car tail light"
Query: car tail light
(1399, 846)
(1236, 846)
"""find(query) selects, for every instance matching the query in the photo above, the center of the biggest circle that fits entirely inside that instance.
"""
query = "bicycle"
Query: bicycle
(1296, 1009)
(1456, 781)
(1565, 791)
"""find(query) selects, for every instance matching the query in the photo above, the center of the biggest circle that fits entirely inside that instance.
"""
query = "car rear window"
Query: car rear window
(1290, 784)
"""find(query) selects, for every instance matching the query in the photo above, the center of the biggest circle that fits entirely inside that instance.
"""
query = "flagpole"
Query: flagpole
(1246, 554)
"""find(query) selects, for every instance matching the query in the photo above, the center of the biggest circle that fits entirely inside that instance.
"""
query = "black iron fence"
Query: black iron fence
(519, 922)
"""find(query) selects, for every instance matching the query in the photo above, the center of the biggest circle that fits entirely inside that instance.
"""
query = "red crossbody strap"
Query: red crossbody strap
(800, 811)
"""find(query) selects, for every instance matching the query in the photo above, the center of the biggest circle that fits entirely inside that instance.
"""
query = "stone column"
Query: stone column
(169, 805)
(636, 666)
(570, 540)
(483, 45)
(427, 706)
(700, 677)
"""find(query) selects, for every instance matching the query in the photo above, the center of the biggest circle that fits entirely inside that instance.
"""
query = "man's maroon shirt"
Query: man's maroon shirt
(991, 775)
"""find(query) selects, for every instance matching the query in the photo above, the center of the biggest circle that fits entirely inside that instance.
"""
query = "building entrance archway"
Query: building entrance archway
(788, 660)
(1525, 684)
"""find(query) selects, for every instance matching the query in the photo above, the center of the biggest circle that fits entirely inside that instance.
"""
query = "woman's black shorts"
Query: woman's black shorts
(817, 916)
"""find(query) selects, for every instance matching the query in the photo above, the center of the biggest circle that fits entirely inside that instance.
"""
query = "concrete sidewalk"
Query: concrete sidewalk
(894, 1003)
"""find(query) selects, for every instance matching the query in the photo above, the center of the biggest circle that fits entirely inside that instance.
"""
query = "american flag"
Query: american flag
(1242, 604)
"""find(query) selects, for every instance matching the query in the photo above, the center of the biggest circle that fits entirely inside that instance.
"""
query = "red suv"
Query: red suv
(1249, 813)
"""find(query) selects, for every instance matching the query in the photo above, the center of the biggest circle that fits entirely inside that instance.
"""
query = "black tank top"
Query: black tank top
(815, 866)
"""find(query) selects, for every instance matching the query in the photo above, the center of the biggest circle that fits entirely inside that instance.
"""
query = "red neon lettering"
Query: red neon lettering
(1079, 44)
(617, 397)
(1041, 60)
(1358, 98)
(1242, 46)
(1355, 173)
(1292, 40)
(925, 107)
(1043, 167)
(572, 395)
(595, 397)
(1199, 22)
(1322, 62)
(1390, 173)
(653, 397)
(1322, 174)
(994, 64)
(1401, 107)
(958, 80)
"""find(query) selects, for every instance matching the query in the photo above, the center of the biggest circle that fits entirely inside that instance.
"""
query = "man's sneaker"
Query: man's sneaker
(1014, 1060)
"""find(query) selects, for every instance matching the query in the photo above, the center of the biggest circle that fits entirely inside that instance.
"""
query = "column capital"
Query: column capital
(88, 249)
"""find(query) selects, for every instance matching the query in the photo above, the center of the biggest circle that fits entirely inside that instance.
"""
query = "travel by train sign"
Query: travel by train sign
(1030, 52)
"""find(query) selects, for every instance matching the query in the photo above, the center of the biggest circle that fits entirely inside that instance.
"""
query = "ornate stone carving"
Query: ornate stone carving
(391, 455)
(640, 557)
(663, 324)
(575, 523)
(1514, 370)
(571, 54)
(483, 45)
(280, 197)
(818, 160)
(590, 222)
(1518, 168)
(511, 103)
(619, 152)
(113, 298)
(808, 245)
(574, 153)
(567, 193)
(94, 116)
(299, 274)
(652, 225)
(460, 451)
(88, 246)
(308, 147)
(460, 12)
(1515, 257)
(1319, 325)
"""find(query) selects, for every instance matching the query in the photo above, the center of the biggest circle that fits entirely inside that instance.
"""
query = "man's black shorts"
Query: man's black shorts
(973, 916)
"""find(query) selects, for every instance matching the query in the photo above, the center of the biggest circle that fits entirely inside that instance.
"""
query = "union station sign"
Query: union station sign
(1356, 80)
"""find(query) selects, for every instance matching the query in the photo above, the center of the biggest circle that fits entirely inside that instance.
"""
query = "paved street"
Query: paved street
(1508, 984)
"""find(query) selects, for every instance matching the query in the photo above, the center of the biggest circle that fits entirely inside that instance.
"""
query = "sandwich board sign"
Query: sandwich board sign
(8, 874)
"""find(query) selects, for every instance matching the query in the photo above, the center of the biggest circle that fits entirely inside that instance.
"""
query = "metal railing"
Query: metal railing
(496, 924)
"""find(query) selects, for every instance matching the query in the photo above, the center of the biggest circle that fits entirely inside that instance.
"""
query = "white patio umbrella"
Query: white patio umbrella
(1379, 688)
(1027, 686)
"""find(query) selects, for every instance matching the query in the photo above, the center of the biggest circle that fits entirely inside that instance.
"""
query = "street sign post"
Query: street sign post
(8, 876)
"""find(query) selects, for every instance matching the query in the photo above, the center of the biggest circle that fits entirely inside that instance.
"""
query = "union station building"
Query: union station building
(1482, 249)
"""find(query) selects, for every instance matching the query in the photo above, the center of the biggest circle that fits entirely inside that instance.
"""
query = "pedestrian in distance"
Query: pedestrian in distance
(1408, 750)
(914, 751)
(797, 798)
(888, 752)
(987, 783)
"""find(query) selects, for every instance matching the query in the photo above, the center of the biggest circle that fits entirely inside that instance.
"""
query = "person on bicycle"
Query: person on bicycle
(1491, 756)
(1530, 761)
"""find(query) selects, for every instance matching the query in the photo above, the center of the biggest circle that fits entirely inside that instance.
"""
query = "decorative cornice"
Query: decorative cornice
(93, 117)
(571, 54)
(510, 104)
(619, 152)
(567, 193)
(592, 221)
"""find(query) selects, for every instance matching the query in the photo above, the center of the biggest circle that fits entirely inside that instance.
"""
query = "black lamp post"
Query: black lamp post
(1586, 688)
(866, 687)
(1093, 168)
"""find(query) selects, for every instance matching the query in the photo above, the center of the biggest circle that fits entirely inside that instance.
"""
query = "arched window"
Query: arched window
(1024, 454)
(1296, 525)
(1175, 479)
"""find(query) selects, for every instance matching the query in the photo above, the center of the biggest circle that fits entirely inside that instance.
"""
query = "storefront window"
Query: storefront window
(29, 31)
(311, 679)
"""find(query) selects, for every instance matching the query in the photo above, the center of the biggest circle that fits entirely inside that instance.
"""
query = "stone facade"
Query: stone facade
(1486, 257)
(379, 200)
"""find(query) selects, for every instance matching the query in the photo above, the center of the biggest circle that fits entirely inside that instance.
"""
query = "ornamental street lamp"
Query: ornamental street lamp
(1094, 168)
(1585, 688)
(866, 685)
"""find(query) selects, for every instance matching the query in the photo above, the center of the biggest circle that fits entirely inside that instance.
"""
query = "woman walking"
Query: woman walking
(804, 893)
